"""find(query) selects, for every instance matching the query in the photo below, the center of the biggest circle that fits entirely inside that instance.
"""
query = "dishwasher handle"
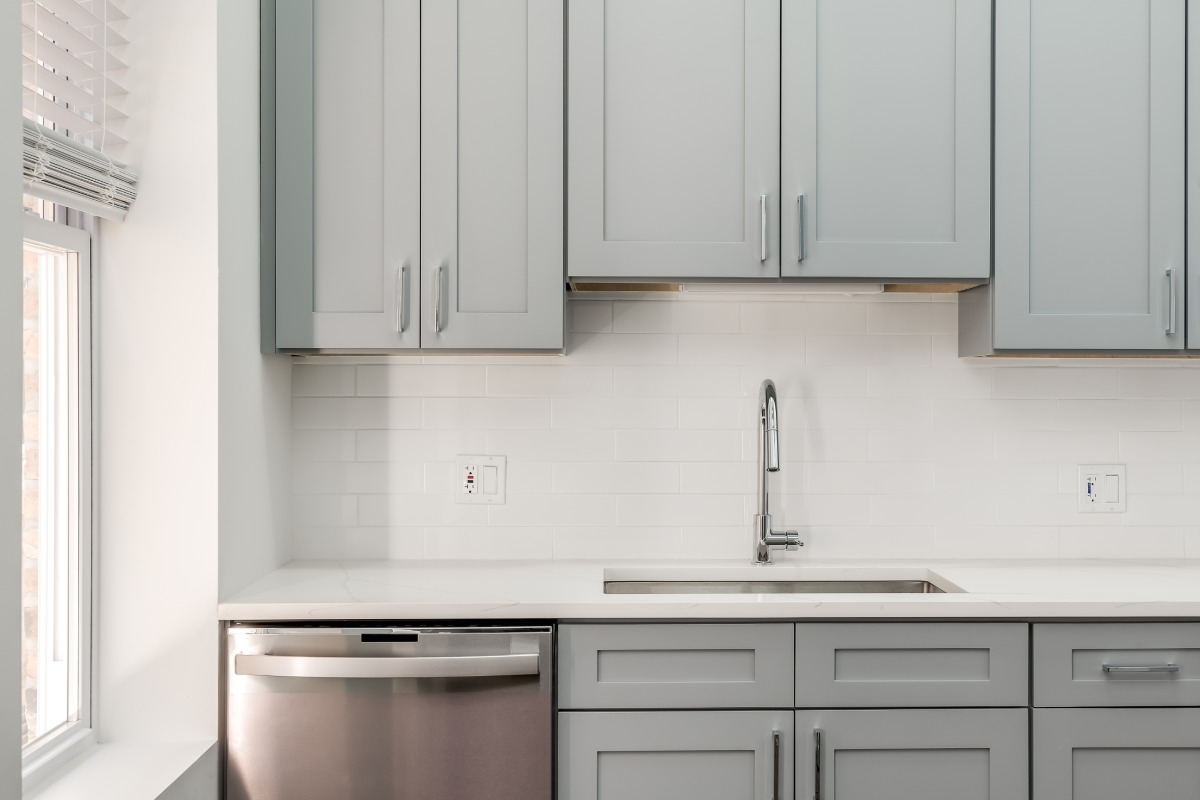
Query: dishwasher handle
(379, 667)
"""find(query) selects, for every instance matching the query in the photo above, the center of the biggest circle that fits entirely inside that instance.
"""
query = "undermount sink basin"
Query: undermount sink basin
(775, 580)
(773, 587)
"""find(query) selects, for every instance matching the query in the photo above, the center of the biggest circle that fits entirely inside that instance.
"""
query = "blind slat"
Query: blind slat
(82, 19)
(65, 64)
(34, 76)
(58, 169)
(66, 37)
(77, 126)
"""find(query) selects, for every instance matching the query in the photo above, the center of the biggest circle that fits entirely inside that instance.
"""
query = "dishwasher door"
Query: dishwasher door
(318, 713)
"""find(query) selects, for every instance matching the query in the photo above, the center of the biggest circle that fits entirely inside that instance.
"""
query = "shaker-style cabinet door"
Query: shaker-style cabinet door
(655, 755)
(347, 145)
(886, 139)
(941, 754)
(673, 131)
(492, 174)
(1116, 753)
(1090, 188)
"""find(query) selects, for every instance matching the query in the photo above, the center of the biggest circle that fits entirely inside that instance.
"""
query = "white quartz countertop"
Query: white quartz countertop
(536, 590)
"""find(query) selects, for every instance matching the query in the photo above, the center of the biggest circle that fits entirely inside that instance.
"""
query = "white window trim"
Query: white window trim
(42, 761)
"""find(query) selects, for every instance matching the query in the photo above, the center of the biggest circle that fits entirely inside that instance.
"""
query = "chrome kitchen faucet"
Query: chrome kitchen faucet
(768, 461)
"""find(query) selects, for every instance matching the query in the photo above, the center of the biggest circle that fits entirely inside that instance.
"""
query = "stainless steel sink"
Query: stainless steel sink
(772, 587)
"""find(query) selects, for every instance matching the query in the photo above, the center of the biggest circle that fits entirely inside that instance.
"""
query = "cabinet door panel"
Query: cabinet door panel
(1115, 754)
(958, 754)
(886, 134)
(347, 160)
(1089, 173)
(650, 755)
(674, 137)
(491, 184)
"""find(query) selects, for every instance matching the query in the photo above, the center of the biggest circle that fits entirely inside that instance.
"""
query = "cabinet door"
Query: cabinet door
(887, 138)
(652, 755)
(674, 139)
(1116, 754)
(958, 754)
(1089, 174)
(492, 174)
(347, 174)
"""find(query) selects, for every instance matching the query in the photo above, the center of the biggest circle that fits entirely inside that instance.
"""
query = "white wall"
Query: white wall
(254, 390)
(10, 409)
(158, 397)
(641, 442)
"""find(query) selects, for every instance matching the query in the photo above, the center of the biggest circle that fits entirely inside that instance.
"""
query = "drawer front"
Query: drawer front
(675, 666)
(1116, 664)
(911, 665)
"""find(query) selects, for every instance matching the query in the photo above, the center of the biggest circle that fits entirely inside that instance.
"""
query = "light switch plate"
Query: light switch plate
(1101, 488)
(481, 480)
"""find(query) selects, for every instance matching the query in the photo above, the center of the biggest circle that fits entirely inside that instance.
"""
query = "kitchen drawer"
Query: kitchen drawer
(675, 666)
(906, 665)
(1161, 664)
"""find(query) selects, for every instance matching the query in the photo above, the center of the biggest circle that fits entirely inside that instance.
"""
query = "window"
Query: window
(56, 509)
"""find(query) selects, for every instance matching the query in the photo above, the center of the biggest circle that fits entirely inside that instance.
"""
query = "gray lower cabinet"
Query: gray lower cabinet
(886, 150)
(1116, 753)
(673, 130)
(913, 754)
(656, 755)
(416, 149)
(1090, 180)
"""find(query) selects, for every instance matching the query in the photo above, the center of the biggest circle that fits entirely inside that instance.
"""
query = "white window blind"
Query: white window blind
(72, 105)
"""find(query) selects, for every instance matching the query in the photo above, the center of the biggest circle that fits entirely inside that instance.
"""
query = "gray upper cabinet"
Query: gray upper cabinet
(1089, 177)
(417, 152)
(1116, 754)
(661, 755)
(1193, 182)
(886, 139)
(947, 754)
(673, 130)
(492, 174)
(347, 161)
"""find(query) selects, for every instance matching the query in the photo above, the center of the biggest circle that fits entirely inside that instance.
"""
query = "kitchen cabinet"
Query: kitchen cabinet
(886, 151)
(910, 754)
(673, 124)
(1116, 753)
(1090, 171)
(700, 755)
(416, 150)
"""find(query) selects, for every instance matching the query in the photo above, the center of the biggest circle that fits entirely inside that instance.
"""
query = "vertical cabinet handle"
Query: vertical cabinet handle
(400, 298)
(776, 784)
(1171, 302)
(762, 227)
(438, 277)
(799, 227)
(817, 733)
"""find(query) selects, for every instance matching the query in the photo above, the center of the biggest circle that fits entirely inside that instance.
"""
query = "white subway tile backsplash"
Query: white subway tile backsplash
(641, 443)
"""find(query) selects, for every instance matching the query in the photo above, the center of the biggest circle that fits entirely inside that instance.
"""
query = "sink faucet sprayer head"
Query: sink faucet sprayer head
(769, 408)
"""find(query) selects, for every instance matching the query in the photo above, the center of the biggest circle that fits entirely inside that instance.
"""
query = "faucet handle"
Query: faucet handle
(792, 540)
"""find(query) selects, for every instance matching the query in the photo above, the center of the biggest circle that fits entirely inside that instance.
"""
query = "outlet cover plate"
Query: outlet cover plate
(1101, 488)
(481, 480)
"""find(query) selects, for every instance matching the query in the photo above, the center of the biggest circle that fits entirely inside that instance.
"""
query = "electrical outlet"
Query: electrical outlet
(482, 480)
(1101, 488)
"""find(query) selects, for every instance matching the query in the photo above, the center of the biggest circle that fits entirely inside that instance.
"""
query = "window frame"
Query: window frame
(45, 756)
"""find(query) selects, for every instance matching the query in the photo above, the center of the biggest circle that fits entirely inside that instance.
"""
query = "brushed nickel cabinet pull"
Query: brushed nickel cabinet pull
(762, 227)
(438, 277)
(800, 227)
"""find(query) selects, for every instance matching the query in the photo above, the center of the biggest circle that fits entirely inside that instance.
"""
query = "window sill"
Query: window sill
(130, 771)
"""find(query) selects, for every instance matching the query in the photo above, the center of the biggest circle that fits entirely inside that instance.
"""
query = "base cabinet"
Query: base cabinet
(1116, 753)
(917, 754)
(653, 755)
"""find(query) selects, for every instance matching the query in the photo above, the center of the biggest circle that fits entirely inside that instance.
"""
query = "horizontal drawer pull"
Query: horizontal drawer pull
(377, 667)
(1113, 668)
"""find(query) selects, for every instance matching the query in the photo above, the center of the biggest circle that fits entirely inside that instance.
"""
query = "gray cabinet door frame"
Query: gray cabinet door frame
(472, 180)
(594, 150)
(1017, 323)
(303, 213)
(584, 737)
(1002, 732)
(1193, 181)
(1159, 733)
(955, 207)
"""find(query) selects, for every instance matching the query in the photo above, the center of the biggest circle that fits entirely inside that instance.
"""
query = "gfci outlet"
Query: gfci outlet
(481, 479)
(1102, 488)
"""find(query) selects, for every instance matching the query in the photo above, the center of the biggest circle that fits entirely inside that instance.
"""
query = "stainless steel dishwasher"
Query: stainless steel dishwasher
(382, 713)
